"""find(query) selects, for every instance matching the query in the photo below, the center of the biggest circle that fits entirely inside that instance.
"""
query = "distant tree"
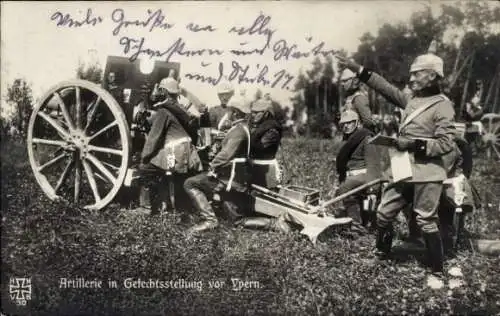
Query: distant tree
(89, 71)
(465, 38)
(20, 97)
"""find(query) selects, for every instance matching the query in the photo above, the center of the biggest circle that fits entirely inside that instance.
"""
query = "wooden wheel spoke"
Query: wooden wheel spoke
(105, 150)
(101, 168)
(78, 178)
(497, 151)
(92, 182)
(101, 177)
(64, 175)
(107, 127)
(54, 124)
(93, 111)
(64, 110)
(78, 107)
(51, 162)
(110, 165)
(60, 143)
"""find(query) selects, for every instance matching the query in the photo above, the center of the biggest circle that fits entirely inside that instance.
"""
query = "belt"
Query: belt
(233, 171)
(355, 172)
(270, 162)
(264, 161)
(176, 142)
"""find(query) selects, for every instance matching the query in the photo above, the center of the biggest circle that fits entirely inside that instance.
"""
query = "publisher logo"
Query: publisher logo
(20, 290)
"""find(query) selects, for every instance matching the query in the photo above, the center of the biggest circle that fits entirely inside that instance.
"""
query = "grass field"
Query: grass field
(284, 274)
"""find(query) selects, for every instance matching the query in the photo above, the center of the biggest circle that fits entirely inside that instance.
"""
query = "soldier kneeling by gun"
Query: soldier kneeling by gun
(356, 164)
(227, 171)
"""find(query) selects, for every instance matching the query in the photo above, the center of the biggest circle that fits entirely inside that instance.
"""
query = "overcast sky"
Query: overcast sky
(35, 48)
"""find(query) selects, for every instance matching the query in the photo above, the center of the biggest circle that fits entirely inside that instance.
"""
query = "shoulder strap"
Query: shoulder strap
(247, 131)
(419, 111)
(222, 120)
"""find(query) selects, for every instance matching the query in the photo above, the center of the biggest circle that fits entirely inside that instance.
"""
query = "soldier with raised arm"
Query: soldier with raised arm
(427, 133)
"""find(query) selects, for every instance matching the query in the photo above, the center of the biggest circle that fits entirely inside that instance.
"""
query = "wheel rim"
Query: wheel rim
(79, 144)
(493, 140)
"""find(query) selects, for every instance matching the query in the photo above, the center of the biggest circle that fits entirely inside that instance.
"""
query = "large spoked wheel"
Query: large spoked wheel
(79, 144)
(491, 137)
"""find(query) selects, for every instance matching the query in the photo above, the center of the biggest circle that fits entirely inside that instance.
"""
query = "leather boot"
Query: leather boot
(264, 223)
(205, 209)
(434, 247)
(384, 241)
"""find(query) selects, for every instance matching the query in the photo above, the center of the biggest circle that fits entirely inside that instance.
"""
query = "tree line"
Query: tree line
(463, 35)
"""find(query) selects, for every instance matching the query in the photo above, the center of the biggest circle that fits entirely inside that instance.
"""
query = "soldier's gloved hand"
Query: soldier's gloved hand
(348, 63)
(418, 146)
(405, 144)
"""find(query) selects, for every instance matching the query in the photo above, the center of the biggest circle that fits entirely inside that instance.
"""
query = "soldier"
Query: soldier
(113, 88)
(427, 133)
(265, 139)
(265, 135)
(458, 191)
(356, 99)
(356, 163)
(218, 117)
(169, 146)
(227, 169)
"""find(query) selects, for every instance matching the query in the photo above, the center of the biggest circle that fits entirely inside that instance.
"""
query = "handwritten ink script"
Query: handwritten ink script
(259, 29)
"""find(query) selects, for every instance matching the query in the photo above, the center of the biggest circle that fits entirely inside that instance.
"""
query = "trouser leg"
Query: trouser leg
(426, 202)
(394, 199)
(351, 205)
(198, 188)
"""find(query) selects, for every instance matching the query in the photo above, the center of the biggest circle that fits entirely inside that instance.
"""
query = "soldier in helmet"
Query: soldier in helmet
(266, 133)
(356, 163)
(426, 133)
(218, 117)
(356, 99)
(227, 171)
(169, 145)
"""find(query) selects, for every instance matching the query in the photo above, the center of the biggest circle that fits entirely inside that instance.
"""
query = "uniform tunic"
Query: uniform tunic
(234, 146)
(359, 103)
(265, 142)
(356, 155)
(212, 118)
(167, 129)
(435, 126)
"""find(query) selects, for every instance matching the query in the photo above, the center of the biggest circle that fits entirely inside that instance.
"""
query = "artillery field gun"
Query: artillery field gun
(82, 136)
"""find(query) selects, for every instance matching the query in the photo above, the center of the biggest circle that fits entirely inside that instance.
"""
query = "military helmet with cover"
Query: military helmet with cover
(262, 105)
(240, 104)
(170, 84)
(349, 121)
(348, 116)
(225, 87)
(428, 62)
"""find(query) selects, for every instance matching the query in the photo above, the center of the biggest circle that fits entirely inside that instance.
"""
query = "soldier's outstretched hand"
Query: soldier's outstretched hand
(348, 63)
